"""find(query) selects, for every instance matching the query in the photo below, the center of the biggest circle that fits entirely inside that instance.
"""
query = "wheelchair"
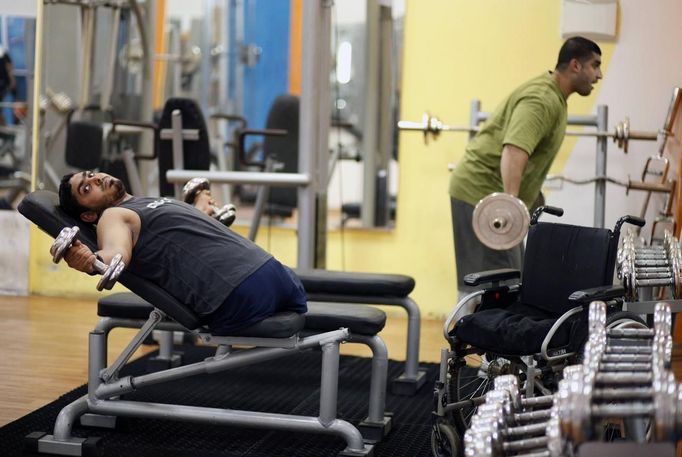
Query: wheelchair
(530, 329)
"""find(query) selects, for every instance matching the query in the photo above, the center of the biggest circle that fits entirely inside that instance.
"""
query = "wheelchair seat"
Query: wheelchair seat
(519, 329)
(560, 259)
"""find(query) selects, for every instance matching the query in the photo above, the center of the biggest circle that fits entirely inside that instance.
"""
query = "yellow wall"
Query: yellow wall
(454, 51)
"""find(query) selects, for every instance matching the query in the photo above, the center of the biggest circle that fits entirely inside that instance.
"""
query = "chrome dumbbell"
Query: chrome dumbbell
(110, 273)
(617, 380)
(226, 215)
(501, 425)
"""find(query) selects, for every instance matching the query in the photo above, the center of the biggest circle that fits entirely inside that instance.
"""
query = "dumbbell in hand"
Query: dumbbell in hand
(192, 192)
(110, 273)
(225, 215)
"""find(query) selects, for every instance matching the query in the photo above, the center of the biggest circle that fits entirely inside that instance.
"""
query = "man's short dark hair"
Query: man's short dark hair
(576, 48)
(67, 200)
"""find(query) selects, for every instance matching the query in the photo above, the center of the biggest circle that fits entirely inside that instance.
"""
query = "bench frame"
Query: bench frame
(104, 388)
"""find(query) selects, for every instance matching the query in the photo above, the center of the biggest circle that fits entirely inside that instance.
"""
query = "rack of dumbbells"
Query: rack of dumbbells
(625, 379)
(640, 266)
(509, 423)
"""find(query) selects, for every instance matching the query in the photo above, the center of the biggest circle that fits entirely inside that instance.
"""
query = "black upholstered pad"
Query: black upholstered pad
(343, 283)
(124, 305)
(42, 208)
(129, 306)
(518, 330)
(360, 320)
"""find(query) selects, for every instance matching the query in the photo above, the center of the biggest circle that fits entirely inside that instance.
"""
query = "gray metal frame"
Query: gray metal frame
(600, 121)
(376, 414)
(412, 378)
(102, 395)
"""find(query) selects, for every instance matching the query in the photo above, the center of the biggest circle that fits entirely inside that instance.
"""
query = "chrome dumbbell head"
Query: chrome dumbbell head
(63, 242)
(193, 187)
(509, 383)
(110, 273)
(225, 215)
(665, 406)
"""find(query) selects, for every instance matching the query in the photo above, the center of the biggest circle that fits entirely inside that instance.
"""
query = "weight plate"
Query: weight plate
(500, 221)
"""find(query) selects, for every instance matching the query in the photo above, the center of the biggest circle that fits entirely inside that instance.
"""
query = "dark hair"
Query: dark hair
(576, 48)
(67, 200)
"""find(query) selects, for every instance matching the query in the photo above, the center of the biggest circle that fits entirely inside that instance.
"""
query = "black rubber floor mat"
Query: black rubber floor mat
(289, 385)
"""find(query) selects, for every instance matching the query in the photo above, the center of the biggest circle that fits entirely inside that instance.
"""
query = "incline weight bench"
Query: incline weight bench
(127, 310)
(274, 337)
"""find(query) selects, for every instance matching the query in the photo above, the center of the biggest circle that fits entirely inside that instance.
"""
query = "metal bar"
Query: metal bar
(241, 177)
(88, 30)
(261, 200)
(38, 51)
(600, 169)
(254, 419)
(329, 382)
(370, 137)
(108, 86)
(178, 159)
(377, 388)
(313, 86)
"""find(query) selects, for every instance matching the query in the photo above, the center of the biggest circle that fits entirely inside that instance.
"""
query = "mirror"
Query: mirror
(246, 63)
(366, 44)
(235, 57)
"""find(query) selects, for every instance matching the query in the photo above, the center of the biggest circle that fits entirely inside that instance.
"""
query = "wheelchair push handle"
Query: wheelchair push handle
(634, 220)
(553, 210)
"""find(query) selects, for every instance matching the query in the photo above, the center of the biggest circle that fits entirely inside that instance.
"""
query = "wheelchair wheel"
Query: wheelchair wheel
(473, 379)
(624, 319)
(445, 442)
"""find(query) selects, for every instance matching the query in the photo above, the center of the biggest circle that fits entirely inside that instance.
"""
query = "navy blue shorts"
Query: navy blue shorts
(271, 288)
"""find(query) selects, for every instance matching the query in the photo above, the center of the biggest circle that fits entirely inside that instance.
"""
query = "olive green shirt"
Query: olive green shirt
(532, 118)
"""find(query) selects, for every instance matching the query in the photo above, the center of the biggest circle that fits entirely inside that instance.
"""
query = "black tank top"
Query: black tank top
(192, 256)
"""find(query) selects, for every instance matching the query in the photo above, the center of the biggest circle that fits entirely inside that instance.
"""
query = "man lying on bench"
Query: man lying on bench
(226, 279)
(276, 336)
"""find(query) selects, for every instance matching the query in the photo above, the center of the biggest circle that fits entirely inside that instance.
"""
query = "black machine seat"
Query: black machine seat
(365, 284)
(560, 259)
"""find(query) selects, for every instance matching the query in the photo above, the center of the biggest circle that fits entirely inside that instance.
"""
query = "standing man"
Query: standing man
(514, 150)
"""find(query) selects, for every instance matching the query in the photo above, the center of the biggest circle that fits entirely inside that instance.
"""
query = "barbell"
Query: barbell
(500, 221)
(431, 126)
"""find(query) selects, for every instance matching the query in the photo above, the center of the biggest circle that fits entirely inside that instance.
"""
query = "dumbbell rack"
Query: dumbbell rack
(625, 374)
(640, 266)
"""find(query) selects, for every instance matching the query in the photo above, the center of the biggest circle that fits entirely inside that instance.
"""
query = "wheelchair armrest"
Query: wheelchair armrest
(483, 277)
(604, 293)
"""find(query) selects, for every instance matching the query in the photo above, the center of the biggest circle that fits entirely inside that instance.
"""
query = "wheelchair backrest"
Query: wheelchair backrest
(561, 259)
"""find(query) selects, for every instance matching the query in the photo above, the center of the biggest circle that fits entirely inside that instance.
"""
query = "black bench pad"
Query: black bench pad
(127, 305)
(361, 320)
(364, 284)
